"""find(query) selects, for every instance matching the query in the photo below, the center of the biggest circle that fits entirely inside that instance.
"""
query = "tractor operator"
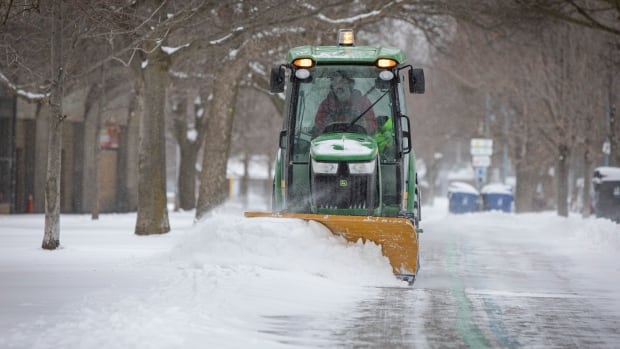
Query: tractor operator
(343, 104)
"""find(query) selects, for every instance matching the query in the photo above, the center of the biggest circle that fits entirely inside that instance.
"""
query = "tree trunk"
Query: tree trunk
(213, 183)
(187, 178)
(614, 126)
(245, 180)
(122, 192)
(188, 154)
(433, 173)
(51, 237)
(587, 182)
(525, 191)
(152, 201)
(562, 180)
(94, 215)
(97, 149)
(526, 198)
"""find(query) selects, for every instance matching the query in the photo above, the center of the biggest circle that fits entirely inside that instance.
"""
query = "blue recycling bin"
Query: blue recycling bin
(463, 198)
(497, 197)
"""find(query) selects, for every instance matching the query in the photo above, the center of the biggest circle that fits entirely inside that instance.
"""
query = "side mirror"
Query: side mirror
(406, 134)
(416, 80)
(276, 84)
(283, 139)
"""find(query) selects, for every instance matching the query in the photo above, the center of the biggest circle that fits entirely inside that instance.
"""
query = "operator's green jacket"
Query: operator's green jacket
(385, 135)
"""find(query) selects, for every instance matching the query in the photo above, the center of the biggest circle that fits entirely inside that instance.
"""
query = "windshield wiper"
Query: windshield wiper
(365, 111)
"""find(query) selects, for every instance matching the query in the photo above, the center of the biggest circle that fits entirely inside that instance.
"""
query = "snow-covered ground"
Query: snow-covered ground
(235, 282)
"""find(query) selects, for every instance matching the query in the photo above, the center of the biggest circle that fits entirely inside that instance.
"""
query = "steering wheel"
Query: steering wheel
(344, 127)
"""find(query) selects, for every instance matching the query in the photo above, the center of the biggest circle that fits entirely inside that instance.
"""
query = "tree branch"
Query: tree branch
(29, 96)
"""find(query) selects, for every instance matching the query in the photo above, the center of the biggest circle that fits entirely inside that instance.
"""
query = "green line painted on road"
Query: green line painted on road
(465, 328)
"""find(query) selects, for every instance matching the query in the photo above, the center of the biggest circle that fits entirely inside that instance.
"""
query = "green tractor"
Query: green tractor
(345, 156)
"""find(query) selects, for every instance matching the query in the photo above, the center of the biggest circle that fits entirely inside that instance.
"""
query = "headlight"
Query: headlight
(362, 167)
(324, 167)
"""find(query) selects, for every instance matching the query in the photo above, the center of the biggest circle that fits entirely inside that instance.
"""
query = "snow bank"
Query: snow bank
(605, 174)
(288, 245)
(496, 188)
(462, 187)
(223, 282)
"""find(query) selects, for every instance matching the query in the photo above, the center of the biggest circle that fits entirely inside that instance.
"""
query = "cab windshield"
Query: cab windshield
(340, 99)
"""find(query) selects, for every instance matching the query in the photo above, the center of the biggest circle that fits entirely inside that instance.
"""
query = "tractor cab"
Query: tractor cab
(346, 135)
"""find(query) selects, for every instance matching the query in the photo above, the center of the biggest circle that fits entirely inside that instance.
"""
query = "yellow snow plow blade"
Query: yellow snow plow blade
(396, 236)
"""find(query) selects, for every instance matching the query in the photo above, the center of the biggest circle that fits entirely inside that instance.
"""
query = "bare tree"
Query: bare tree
(213, 182)
(533, 82)
(600, 15)
(189, 128)
(151, 72)
(23, 72)
(141, 34)
(51, 238)
(566, 58)
(9, 9)
(255, 132)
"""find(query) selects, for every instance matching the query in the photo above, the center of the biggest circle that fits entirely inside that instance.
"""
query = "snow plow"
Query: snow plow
(345, 156)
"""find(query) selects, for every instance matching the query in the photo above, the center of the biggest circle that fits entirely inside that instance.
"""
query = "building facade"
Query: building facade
(99, 154)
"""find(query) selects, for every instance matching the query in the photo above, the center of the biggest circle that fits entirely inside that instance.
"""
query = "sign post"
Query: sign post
(481, 150)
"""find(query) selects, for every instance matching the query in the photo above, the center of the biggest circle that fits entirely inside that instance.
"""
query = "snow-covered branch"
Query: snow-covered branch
(30, 96)
(356, 18)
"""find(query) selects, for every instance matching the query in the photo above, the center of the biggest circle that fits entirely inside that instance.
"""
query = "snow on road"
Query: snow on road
(530, 281)
(232, 282)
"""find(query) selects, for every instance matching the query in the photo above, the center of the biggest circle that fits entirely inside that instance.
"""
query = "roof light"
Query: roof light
(386, 63)
(303, 63)
(345, 37)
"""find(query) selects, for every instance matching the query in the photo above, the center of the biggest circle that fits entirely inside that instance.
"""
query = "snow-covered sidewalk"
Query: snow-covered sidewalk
(219, 282)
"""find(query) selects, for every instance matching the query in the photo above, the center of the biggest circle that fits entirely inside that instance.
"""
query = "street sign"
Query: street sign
(481, 143)
(481, 161)
(481, 151)
(481, 175)
(606, 148)
(480, 171)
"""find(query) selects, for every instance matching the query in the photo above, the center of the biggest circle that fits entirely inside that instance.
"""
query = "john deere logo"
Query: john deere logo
(344, 183)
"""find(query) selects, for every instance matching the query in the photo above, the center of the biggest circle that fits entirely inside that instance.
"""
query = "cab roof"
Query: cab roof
(345, 54)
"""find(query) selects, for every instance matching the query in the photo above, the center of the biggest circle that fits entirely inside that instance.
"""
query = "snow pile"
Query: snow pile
(348, 145)
(462, 187)
(226, 277)
(496, 188)
(286, 245)
(606, 174)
